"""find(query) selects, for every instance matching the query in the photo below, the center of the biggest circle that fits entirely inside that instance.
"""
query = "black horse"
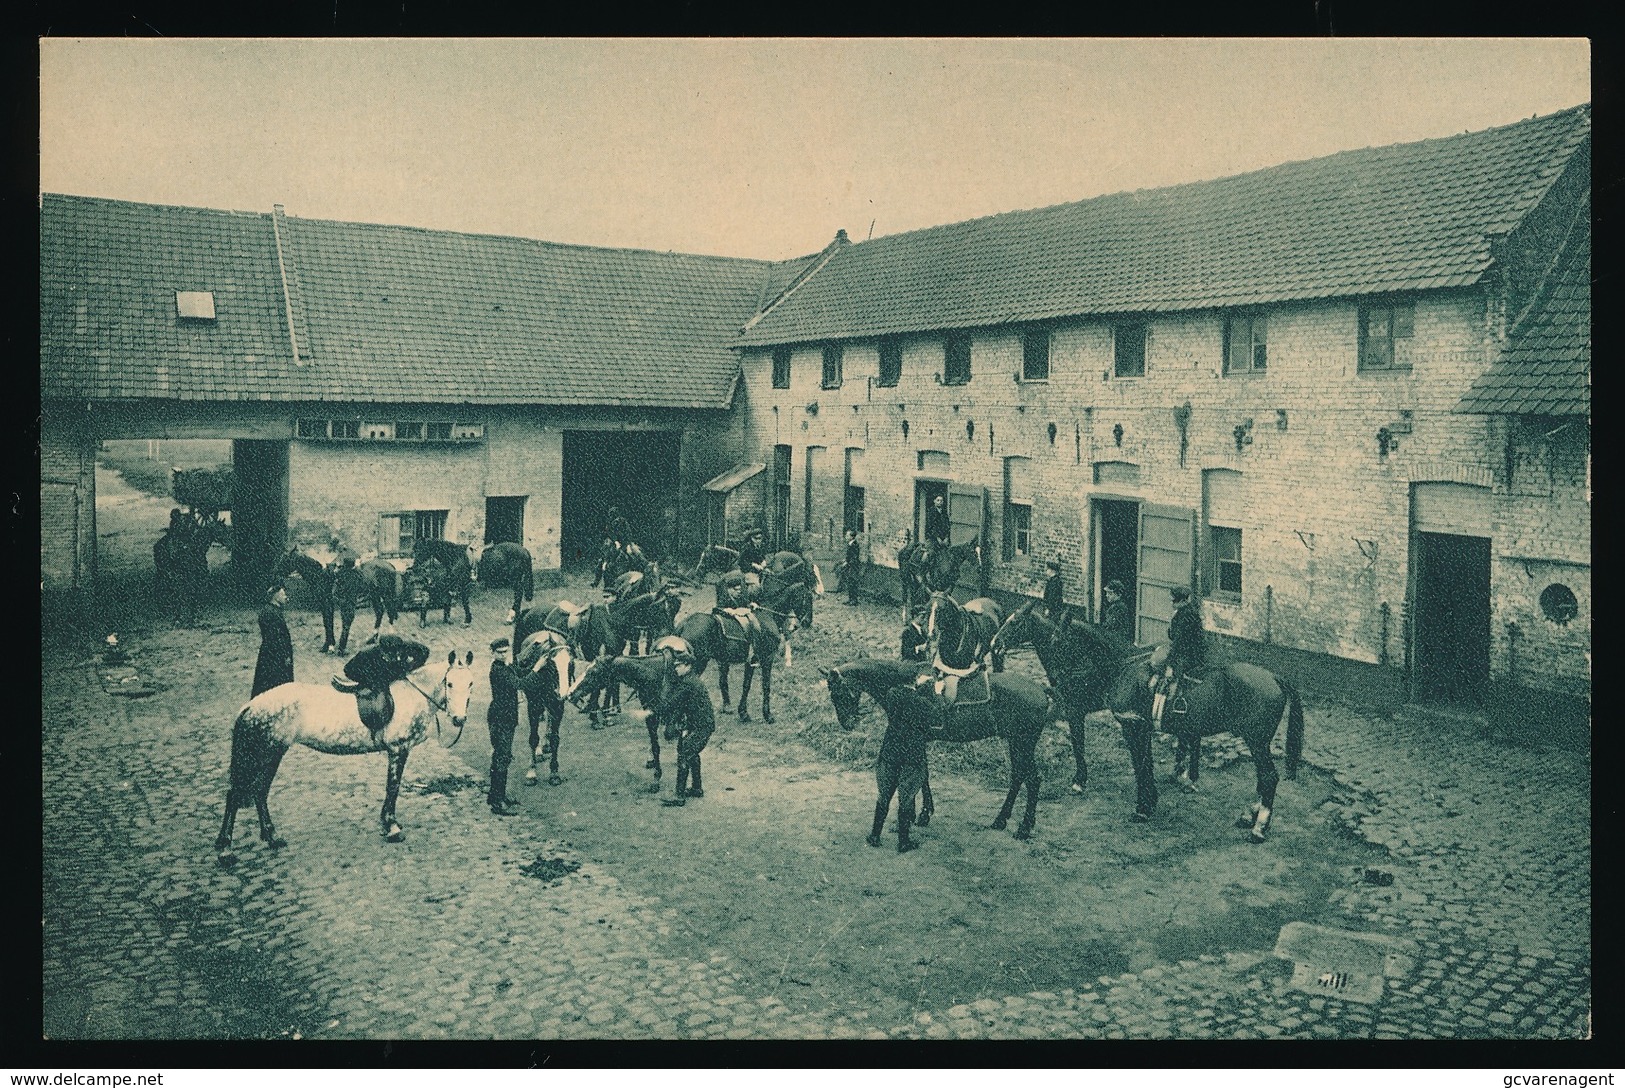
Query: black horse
(319, 577)
(644, 675)
(725, 640)
(508, 565)
(788, 587)
(457, 581)
(1237, 698)
(384, 587)
(1015, 708)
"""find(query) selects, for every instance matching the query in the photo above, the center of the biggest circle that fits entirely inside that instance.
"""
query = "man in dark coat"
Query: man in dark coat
(914, 640)
(901, 767)
(1114, 614)
(937, 525)
(275, 664)
(753, 557)
(502, 719)
(389, 659)
(852, 567)
(347, 590)
(690, 719)
(1054, 593)
(1187, 649)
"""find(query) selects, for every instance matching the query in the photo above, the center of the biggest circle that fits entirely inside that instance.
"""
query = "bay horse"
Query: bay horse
(1238, 698)
(544, 658)
(507, 565)
(320, 717)
(788, 587)
(644, 675)
(601, 629)
(319, 577)
(1075, 677)
(710, 638)
(1016, 709)
(385, 587)
(458, 579)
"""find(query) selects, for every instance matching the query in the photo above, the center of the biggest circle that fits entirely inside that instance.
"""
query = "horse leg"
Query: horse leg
(328, 644)
(1190, 754)
(262, 793)
(1024, 830)
(222, 841)
(886, 779)
(1268, 779)
(391, 828)
(1137, 736)
(468, 613)
(654, 753)
(1078, 732)
(1002, 820)
(513, 610)
(744, 692)
(767, 692)
(554, 716)
(536, 752)
(928, 806)
(722, 686)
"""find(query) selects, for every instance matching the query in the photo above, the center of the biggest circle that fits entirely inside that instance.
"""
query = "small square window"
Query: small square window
(346, 428)
(891, 363)
(1386, 330)
(468, 430)
(1035, 355)
(378, 430)
(781, 368)
(1128, 350)
(956, 359)
(832, 366)
(195, 305)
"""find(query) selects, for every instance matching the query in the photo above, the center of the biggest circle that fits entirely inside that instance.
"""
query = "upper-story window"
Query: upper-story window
(891, 363)
(1035, 354)
(832, 366)
(1386, 330)
(956, 359)
(1246, 343)
(1128, 349)
(781, 368)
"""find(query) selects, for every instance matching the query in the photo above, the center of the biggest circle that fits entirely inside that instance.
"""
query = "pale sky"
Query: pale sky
(741, 147)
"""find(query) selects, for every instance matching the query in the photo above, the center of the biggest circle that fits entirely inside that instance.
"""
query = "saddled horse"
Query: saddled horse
(644, 675)
(958, 636)
(600, 629)
(850, 680)
(322, 718)
(1237, 698)
(545, 659)
(788, 587)
(1011, 707)
(318, 577)
(644, 606)
(728, 642)
(508, 565)
(457, 581)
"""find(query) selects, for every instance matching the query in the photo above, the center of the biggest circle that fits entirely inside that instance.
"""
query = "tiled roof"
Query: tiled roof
(1404, 217)
(1546, 367)
(388, 314)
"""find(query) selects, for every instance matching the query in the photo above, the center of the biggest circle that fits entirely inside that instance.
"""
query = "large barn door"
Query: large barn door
(967, 520)
(1167, 544)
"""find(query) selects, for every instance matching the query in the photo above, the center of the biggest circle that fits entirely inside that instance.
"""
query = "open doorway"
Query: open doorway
(1452, 617)
(505, 519)
(1117, 546)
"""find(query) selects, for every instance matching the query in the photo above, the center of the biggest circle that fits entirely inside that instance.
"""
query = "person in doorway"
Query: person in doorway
(852, 567)
(1114, 613)
(274, 666)
(937, 526)
(502, 718)
(690, 719)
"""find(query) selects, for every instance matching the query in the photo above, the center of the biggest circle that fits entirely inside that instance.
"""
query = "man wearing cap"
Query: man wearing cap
(1114, 614)
(502, 718)
(1187, 648)
(685, 708)
(275, 663)
(914, 640)
(753, 557)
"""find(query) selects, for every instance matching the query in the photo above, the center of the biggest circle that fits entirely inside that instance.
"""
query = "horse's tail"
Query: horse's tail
(1294, 728)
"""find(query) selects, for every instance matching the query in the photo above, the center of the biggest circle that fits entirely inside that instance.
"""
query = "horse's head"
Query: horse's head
(548, 648)
(939, 571)
(1025, 625)
(457, 685)
(596, 678)
(843, 695)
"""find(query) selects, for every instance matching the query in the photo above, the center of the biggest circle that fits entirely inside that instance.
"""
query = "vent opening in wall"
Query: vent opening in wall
(1558, 603)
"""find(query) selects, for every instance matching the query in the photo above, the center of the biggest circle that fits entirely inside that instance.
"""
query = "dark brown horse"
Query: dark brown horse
(457, 580)
(318, 578)
(644, 675)
(508, 566)
(1014, 708)
(726, 641)
(384, 587)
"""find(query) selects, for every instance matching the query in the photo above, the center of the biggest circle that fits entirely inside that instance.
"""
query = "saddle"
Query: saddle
(573, 613)
(961, 687)
(375, 708)
(1173, 698)
(744, 625)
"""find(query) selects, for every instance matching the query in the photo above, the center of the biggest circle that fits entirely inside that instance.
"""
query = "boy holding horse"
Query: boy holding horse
(502, 718)
(690, 719)
(901, 768)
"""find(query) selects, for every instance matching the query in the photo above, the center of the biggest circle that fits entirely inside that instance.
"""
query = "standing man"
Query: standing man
(275, 664)
(1114, 615)
(690, 719)
(852, 566)
(937, 525)
(502, 718)
(914, 640)
(347, 589)
(1054, 593)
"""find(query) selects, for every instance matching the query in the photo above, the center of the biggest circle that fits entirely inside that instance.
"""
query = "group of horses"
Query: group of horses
(630, 639)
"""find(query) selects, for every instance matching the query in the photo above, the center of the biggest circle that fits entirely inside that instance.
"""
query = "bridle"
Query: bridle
(437, 704)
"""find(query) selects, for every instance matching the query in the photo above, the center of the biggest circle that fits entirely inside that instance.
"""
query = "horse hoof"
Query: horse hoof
(1244, 822)
(1256, 837)
(872, 840)
(226, 861)
(924, 820)
(653, 787)
(1024, 833)
(904, 846)
(276, 843)
(650, 765)
(554, 780)
(530, 778)
(1000, 824)
(1187, 785)
(395, 834)
(768, 718)
(1077, 787)
(743, 717)
(725, 709)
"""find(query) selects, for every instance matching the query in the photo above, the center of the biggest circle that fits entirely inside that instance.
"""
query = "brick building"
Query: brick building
(1249, 385)
(383, 383)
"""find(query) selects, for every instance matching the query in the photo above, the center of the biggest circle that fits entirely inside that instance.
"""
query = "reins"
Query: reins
(437, 705)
